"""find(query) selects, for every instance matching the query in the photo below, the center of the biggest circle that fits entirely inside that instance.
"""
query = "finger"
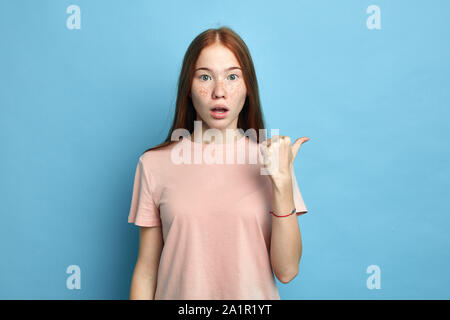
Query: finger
(297, 144)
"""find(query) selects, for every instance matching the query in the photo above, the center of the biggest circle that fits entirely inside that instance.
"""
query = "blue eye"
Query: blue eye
(205, 75)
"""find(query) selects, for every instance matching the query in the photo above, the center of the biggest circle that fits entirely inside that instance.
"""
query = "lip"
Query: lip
(218, 115)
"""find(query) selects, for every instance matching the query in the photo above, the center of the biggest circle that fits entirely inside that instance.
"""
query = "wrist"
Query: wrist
(282, 183)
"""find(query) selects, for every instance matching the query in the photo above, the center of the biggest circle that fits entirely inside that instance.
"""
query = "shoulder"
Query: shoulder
(157, 156)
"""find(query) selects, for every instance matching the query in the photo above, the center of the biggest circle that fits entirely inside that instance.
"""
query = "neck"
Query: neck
(226, 136)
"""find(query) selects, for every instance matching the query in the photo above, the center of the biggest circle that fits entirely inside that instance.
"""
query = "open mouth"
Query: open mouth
(219, 112)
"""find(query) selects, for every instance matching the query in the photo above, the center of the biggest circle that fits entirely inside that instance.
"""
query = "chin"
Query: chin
(219, 124)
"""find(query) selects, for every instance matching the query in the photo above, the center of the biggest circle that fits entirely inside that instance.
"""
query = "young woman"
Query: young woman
(220, 230)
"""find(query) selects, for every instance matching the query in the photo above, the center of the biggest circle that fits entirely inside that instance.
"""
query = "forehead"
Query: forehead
(216, 57)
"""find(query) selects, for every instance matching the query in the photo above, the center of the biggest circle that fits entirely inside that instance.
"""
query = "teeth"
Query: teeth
(219, 110)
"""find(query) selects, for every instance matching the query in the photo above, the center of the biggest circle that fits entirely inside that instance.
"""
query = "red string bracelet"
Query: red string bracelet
(293, 211)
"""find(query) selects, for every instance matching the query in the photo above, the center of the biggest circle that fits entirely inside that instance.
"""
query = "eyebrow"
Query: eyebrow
(203, 68)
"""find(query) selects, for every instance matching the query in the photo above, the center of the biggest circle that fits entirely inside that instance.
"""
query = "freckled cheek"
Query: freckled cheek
(203, 92)
(235, 90)
(232, 90)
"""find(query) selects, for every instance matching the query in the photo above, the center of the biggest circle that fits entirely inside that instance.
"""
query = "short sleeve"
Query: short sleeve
(298, 199)
(143, 211)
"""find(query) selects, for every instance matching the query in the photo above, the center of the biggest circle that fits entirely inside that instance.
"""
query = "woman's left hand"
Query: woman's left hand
(279, 156)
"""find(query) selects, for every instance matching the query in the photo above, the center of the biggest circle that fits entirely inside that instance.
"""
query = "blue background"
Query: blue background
(78, 107)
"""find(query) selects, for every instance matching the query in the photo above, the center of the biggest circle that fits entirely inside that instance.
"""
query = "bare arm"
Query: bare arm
(286, 241)
(143, 283)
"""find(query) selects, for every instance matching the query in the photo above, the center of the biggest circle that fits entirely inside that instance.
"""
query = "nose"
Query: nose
(219, 90)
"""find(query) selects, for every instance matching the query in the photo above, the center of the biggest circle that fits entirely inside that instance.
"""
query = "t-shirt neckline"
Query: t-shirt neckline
(195, 143)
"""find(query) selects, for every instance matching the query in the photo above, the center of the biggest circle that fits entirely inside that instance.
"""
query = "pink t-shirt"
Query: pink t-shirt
(215, 221)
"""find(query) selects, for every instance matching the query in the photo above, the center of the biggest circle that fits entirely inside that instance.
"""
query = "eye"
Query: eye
(234, 75)
(201, 77)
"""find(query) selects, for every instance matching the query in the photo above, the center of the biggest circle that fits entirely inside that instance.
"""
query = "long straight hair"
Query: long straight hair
(250, 117)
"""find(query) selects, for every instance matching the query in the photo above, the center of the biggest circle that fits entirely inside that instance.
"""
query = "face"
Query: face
(218, 79)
